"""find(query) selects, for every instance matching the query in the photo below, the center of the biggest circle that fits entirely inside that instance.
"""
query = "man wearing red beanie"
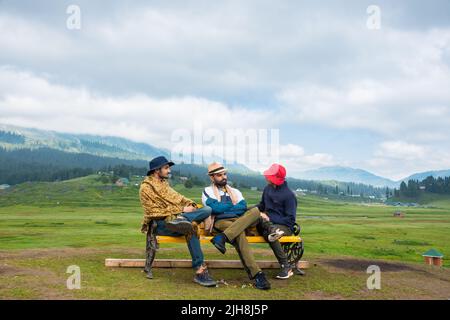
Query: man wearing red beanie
(278, 208)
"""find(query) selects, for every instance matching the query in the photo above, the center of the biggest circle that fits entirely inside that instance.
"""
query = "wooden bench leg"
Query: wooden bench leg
(150, 249)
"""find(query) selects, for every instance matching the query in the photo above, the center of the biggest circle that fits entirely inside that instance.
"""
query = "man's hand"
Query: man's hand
(144, 228)
(265, 216)
(189, 209)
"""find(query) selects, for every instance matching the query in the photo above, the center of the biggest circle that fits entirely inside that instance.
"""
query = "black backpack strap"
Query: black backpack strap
(206, 195)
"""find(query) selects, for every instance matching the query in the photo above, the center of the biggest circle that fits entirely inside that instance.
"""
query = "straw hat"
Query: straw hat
(216, 167)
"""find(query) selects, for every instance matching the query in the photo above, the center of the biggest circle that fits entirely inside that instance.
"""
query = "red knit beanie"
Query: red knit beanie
(276, 174)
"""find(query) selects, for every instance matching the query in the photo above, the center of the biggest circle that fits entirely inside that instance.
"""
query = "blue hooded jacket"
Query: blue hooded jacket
(224, 209)
(280, 204)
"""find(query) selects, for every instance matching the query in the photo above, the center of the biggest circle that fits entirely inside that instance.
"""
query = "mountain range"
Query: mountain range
(347, 174)
(14, 138)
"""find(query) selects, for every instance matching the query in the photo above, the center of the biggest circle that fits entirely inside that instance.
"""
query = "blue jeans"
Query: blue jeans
(194, 244)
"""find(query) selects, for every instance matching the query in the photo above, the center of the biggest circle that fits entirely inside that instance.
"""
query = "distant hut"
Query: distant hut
(4, 186)
(122, 182)
(433, 257)
(399, 214)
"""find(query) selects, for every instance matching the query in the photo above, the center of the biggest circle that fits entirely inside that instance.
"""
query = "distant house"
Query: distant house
(399, 214)
(4, 186)
(254, 188)
(183, 178)
(121, 182)
(433, 257)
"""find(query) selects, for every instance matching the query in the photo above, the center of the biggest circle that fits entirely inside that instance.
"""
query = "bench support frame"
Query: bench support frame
(293, 250)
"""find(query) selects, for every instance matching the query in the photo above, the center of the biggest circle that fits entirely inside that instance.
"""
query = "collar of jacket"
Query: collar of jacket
(154, 180)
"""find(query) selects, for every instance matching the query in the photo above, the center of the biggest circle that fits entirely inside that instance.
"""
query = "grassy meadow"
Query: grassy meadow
(45, 227)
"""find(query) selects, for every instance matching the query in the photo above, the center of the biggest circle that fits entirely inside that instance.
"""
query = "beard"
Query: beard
(164, 177)
(222, 183)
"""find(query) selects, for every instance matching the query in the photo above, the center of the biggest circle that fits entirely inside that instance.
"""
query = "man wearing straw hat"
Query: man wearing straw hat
(230, 217)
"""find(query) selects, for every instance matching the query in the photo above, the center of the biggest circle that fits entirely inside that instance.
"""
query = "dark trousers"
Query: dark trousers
(264, 228)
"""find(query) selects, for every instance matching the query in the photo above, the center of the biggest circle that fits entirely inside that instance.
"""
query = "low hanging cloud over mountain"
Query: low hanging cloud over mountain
(312, 70)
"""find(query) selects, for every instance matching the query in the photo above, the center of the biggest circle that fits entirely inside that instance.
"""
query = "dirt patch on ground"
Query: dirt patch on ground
(398, 280)
(351, 264)
(40, 283)
(8, 270)
(63, 252)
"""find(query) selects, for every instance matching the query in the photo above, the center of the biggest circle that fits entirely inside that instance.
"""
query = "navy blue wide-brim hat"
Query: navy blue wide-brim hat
(158, 162)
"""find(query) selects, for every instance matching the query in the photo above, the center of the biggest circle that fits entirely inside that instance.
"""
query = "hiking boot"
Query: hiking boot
(204, 279)
(261, 281)
(180, 225)
(275, 234)
(149, 274)
(219, 241)
(285, 272)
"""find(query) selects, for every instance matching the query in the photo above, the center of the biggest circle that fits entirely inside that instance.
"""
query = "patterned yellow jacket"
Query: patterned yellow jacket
(159, 200)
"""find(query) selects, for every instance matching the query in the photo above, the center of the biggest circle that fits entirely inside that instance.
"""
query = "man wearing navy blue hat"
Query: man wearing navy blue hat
(168, 213)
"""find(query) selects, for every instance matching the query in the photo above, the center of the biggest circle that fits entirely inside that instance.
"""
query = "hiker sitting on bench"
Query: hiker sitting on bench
(230, 218)
(174, 215)
(278, 208)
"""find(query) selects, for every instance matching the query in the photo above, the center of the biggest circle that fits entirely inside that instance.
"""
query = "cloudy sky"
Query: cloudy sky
(339, 92)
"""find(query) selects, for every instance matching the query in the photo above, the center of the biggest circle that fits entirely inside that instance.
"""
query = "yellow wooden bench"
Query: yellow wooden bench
(292, 245)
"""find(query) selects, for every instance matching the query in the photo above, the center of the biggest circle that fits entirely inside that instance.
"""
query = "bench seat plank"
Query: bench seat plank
(205, 239)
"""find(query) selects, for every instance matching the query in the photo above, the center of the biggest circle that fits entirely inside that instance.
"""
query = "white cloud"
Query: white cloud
(32, 101)
(413, 103)
(401, 150)
(40, 103)
(296, 160)
(399, 159)
(22, 39)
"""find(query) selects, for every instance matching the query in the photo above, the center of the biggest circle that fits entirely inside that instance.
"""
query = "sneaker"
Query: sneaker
(275, 235)
(180, 225)
(219, 241)
(149, 274)
(204, 279)
(261, 281)
(285, 272)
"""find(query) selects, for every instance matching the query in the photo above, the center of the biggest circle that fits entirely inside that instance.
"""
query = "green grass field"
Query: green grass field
(45, 227)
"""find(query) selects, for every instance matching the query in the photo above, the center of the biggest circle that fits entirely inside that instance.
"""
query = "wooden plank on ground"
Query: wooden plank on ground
(187, 263)
(204, 239)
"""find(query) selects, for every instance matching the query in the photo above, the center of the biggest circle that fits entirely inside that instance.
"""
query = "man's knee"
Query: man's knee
(198, 215)
(204, 213)
(254, 212)
(222, 224)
